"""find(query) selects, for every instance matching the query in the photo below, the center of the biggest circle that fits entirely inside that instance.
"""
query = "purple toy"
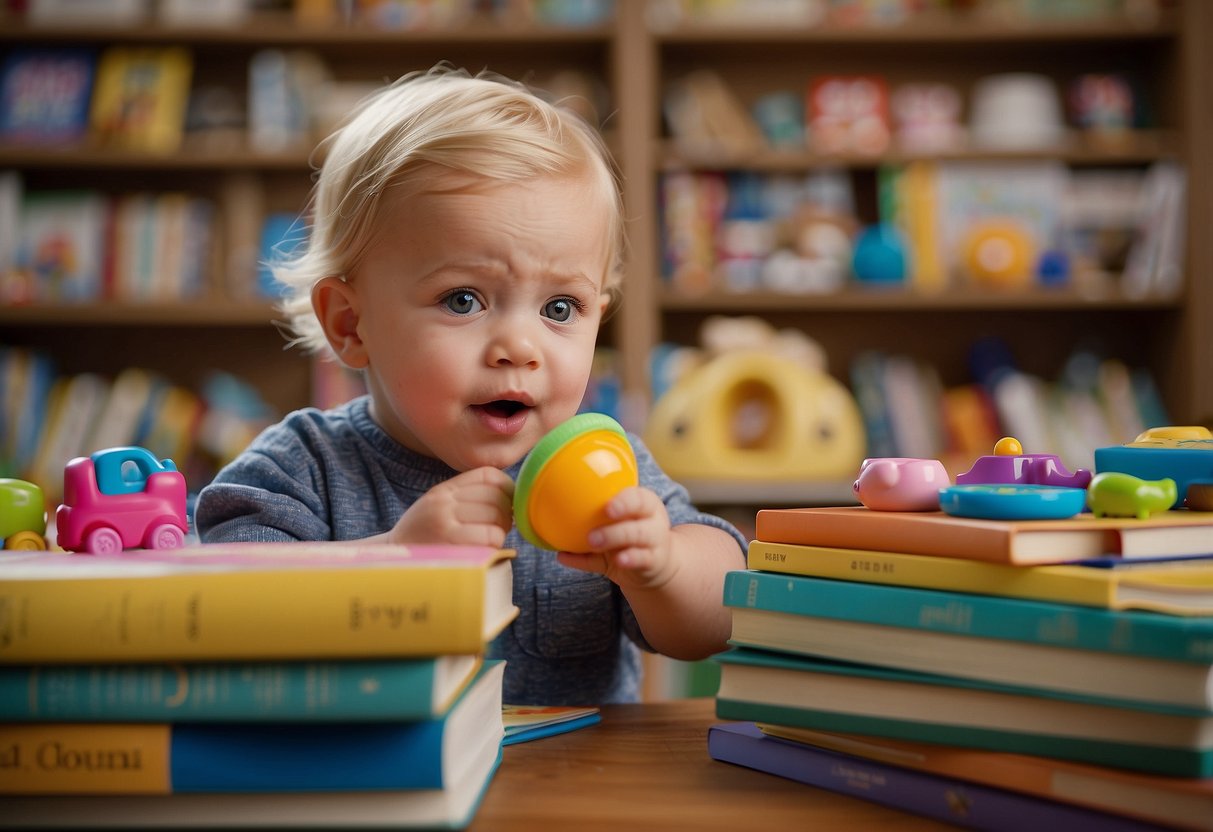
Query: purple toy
(1010, 466)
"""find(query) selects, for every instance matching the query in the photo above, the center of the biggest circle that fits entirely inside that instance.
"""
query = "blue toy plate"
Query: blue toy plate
(1012, 502)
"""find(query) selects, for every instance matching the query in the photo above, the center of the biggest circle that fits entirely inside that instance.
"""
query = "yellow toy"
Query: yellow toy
(999, 253)
(568, 479)
(756, 416)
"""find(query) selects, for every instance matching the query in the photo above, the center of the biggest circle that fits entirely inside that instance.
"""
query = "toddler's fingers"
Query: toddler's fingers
(634, 502)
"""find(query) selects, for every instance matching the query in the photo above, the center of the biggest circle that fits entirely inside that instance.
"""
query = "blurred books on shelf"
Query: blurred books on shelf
(47, 419)
(66, 246)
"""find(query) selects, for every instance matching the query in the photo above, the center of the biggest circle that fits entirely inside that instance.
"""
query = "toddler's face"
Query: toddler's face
(478, 312)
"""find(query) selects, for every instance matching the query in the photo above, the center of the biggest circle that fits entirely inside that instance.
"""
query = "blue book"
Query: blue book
(45, 95)
(969, 805)
(448, 808)
(350, 691)
(1122, 655)
(798, 692)
(259, 757)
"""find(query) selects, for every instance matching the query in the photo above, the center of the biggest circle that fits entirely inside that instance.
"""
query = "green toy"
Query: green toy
(1114, 494)
(22, 515)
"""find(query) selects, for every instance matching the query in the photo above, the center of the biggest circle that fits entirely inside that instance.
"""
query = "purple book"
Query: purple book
(969, 805)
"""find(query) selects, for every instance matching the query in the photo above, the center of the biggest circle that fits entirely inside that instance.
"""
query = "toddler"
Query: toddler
(466, 242)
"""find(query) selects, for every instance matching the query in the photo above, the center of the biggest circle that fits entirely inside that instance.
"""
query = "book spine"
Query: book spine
(1171, 761)
(885, 531)
(951, 574)
(101, 758)
(356, 690)
(1056, 625)
(221, 615)
(953, 801)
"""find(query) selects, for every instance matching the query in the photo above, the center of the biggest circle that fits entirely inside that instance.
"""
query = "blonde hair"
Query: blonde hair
(485, 126)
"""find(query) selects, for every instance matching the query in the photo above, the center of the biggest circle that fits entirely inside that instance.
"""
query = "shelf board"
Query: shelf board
(195, 313)
(188, 158)
(766, 493)
(925, 30)
(897, 300)
(1137, 147)
(284, 30)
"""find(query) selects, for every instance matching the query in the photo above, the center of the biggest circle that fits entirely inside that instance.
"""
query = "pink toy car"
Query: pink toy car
(121, 498)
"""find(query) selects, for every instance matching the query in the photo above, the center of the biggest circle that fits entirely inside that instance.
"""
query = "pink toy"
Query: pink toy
(900, 483)
(121, 498)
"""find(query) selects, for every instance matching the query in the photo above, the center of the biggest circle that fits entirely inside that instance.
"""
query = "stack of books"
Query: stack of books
(301, 685)
(995, 674)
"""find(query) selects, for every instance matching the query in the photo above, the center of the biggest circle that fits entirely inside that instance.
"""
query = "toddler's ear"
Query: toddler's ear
(336, 308)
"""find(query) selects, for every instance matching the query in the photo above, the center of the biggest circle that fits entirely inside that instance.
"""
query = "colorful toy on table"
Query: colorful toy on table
(22, 515)
(1009, 465)
(121, 498)
(1012, 502)
(1113, 494)
(1183, 453)
(1012, 485)
(569, 477)
(900, 483)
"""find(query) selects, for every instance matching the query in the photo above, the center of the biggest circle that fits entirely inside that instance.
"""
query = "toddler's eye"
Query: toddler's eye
(561, 310)
(462, 302)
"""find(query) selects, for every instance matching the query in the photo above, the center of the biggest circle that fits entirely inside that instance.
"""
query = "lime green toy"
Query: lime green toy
(568, 479)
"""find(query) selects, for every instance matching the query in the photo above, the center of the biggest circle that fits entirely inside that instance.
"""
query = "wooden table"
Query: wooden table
(647, 767)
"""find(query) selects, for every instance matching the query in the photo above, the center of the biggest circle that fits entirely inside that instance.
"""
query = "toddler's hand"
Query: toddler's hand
(635, 549)
(474, 508)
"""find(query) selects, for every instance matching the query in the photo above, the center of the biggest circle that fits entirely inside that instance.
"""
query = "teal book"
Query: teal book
(352, 691)
(758, 686)
(241, 757)
(1125, 655)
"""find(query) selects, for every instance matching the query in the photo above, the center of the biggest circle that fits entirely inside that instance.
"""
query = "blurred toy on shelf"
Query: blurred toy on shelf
(752, 413)
(880, 257)
(1103, 105)
(900, 484)
(848, 114)
(121, 498)
(1113, 494)
(1016, 111)
(569, 477)
(22, 515)
(926, 118)
(999, 253)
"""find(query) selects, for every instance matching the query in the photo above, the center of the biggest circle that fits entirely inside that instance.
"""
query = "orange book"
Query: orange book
(1020, 542)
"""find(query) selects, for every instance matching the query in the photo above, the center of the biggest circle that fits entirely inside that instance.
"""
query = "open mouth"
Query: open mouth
(503, 408)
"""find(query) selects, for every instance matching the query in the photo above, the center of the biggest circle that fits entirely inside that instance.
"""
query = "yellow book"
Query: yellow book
(140, 98)
(254, 601)
(1178, 587)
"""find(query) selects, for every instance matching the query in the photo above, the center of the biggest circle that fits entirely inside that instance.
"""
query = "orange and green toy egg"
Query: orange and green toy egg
(568, 479)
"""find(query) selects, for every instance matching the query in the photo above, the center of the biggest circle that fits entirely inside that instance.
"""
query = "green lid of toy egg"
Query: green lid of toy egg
(569, 477)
